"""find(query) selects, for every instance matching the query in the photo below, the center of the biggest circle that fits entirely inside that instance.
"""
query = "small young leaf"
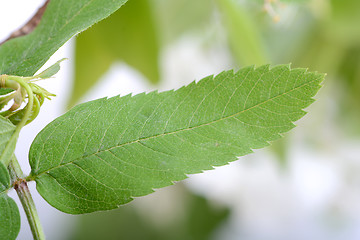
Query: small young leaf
(50, 71)
(103, 153)
(9, 212)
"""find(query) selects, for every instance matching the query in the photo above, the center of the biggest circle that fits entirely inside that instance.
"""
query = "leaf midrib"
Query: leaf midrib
(174, 132)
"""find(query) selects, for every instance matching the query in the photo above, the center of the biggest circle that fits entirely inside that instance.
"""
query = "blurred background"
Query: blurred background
(305, 186)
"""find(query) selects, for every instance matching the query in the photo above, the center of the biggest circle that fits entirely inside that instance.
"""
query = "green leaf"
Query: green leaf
(9, 218)
(4, 91)
(6, 131)
(243, 35)
(103, 153)
(9, 212)
(127, 35)
(50, 71)
(4, 178)
(61, 20)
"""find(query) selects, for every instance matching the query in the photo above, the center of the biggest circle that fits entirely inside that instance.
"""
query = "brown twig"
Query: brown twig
(30, 25)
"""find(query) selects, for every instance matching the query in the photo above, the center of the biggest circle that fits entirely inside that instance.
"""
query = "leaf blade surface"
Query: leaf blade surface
(103, 153)
(62, 19)
(6, 131)
(9, 212)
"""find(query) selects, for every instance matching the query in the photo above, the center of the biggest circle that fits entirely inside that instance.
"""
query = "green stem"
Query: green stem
(26, 200)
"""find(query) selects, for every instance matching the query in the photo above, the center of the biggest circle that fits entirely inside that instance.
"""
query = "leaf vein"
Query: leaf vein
(190, 128)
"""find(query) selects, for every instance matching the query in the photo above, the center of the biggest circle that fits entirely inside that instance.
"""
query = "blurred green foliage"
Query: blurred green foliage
(128, 35)
(243, 33)
(175, 18)
(198, 221)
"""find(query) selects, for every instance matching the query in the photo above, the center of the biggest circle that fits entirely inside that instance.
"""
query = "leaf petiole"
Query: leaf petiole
(22, 190)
